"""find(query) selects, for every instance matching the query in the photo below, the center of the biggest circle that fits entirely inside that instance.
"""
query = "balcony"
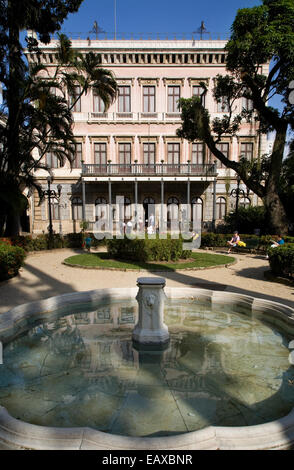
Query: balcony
(156, 169)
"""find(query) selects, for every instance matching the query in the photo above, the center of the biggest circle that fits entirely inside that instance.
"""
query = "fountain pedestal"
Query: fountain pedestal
(151, 329)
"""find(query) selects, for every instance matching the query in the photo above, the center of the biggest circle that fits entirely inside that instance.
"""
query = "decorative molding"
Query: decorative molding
(145, 139)
(124, 138)
(173, 81)
(99, 138)
(125, 81)
(196, 81)
(148, 81)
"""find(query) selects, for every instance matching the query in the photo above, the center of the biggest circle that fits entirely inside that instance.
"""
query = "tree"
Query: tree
(260, 35)
(286, 186)
(34, 118)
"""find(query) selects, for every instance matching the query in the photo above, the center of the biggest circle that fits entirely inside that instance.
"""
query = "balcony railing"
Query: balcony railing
(138, 117)
(156, 169)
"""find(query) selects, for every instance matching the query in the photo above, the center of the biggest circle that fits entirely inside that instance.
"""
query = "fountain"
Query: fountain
(151, 329)
(181, 368)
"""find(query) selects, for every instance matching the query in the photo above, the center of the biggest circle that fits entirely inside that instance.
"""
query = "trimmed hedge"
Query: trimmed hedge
(147, 249)
(11, 260)
(42, 242)
(263, 243)
(281, 261)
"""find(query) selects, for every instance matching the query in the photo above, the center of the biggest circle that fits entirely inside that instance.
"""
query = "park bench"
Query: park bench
(252, 245)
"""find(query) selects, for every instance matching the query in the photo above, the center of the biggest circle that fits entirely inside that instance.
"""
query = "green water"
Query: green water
(223, 369)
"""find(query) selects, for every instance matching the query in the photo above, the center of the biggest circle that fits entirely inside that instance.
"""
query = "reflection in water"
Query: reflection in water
(82, 369)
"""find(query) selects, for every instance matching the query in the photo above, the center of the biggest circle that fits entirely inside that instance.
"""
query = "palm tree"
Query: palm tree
(44, 122)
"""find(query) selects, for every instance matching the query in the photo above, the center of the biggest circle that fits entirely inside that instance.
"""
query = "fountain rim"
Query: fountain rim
(278, 434)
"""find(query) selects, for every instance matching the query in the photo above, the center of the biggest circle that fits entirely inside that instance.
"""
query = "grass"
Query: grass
(102, 260)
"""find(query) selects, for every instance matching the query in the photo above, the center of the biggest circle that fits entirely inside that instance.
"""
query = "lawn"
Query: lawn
(102, 260)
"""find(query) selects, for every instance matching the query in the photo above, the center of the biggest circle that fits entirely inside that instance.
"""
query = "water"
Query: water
(81, 369)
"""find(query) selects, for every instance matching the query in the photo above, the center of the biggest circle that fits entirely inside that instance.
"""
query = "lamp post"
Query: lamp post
(49, 193)
(236, 192)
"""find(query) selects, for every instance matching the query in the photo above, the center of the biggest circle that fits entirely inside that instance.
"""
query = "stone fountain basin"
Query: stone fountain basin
(277, 434)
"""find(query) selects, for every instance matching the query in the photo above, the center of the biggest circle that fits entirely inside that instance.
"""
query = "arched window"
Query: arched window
(172, 209)
(244, 202)
(100, 208)
(221, 206)
(197, 209)
(77, 208)
(127, 208)
(55, 209)
(148, 201)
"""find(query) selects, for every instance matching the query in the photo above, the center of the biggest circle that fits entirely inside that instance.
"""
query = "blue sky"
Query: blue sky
(156, 16)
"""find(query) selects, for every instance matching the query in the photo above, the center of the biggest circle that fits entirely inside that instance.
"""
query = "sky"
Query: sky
(156, 16)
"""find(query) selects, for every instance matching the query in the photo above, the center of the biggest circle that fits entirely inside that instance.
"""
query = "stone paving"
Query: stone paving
(44, 276)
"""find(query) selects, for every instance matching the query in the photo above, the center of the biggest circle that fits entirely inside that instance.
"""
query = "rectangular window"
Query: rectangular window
(52, 160)
(124, 99)
(100, 154)
(77, 162)
(148, 99)
(124, 154)
(222, 105)
(55, 210)
(198, 91)
(173, 99)
(197, 153)
(149, 154)
(224, 148)
(98, 104)
(173, 154)
(247, 104)
(247, 150)
(73, 99)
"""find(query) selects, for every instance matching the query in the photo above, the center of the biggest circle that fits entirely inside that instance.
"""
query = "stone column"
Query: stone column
(151, 329)
(84, 199)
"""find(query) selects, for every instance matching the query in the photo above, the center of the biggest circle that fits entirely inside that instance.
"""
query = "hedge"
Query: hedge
(281, 261)
(220, 240)
(42, 242)
(11, 260)
(147, 249)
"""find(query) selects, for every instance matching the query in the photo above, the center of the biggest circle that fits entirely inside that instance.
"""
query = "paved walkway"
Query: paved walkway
(44, 276)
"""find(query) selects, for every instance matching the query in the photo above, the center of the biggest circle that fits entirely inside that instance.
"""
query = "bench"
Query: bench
(252, 245)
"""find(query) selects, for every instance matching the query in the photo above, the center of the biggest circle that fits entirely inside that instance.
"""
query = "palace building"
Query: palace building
(132, 149)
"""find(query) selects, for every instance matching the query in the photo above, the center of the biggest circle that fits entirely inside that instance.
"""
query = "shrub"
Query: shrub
(40, 242)
(73, 240)
(147, 249)
(281, 261)
(247, 220)
(11, 260)
(24, 242)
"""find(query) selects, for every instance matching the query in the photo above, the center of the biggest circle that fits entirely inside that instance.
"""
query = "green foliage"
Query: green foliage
(147, 249)
(33, 117)
(260, 35)
(247, 220)
(73, 240)
(11, 260)
(281, 261)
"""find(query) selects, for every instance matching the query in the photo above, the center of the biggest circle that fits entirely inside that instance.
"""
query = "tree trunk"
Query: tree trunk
(275, 212)
(274, 207)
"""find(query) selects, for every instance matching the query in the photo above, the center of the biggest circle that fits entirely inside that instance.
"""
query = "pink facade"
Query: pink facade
(132, 149)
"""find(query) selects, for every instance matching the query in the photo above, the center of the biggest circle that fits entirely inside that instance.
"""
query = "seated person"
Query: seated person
(280, 242)
(234, 241)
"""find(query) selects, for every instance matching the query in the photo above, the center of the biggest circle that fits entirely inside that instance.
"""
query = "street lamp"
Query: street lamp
(237, 192)
(51, 193)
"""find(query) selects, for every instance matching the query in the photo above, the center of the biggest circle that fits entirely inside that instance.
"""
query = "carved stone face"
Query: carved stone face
(149, 300)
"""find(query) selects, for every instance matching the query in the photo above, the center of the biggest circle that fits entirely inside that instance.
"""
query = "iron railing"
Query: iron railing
(156, 169)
